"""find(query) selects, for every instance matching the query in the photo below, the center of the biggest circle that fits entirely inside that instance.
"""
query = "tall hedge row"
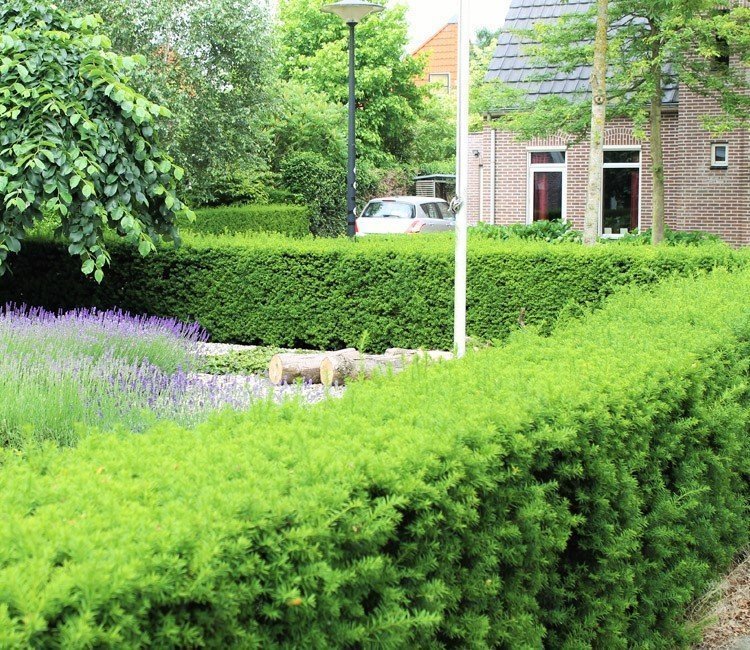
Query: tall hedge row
(329, 293)
(574, 491)
(291, 220)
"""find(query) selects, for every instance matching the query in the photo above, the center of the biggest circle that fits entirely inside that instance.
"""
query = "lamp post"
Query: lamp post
(351, 12)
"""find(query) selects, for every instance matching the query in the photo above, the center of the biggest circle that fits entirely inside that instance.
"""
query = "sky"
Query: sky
(428, 16)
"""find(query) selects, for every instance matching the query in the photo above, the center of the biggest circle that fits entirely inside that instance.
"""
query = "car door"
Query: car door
(437, 217)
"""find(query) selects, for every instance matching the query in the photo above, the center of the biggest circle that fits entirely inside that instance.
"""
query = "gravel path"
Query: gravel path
(208, 349)
(258, 387)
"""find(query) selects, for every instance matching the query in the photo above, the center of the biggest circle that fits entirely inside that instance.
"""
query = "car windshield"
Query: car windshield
(389, 209)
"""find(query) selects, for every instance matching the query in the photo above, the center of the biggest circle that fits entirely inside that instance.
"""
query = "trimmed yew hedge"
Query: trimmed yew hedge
(572, 491)
(328, 293)
(291, 220)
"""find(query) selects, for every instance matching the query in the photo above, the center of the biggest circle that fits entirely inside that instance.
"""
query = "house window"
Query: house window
(720, 155)
(546, 186)
(443, 80)
(621, 191)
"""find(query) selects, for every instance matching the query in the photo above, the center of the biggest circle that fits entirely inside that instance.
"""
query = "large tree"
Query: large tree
(313, 52)
(77, 143)
(653, 44)
(210, 61)
(598, 119)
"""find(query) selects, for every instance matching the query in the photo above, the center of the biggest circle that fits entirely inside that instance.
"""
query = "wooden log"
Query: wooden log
(288, 367)
(435, 355)
(337, 369)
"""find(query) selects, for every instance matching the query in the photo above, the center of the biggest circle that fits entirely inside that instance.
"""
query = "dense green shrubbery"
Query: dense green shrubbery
(574, 491)
(554, 232)
(321, 186)
(672, 237)
(292, 220)
(322, 293)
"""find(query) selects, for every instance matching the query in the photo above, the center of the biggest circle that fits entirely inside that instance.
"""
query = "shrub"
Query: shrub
(574, 491)
(292, 220)
(229, 184)
(327, 293)
(553, 232)
(672, 237)
(321, 186)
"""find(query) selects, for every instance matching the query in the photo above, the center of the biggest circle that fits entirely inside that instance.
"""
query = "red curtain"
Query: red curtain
(541, 197)
(634, 195)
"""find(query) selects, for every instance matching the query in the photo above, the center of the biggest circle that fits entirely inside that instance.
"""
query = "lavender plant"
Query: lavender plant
(61, 373)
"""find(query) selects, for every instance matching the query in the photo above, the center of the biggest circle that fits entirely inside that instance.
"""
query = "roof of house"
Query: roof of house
(510, 65)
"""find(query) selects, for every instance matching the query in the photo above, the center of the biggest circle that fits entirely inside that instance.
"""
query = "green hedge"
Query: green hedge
(328, 293)
(573, 491)
(291, 220)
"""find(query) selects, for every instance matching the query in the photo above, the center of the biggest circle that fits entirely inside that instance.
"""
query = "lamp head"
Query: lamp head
(352, 11)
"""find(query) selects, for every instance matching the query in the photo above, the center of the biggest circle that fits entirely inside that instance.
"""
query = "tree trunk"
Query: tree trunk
(290, 366)
(657, 149)
(337, 369)
(598, 119)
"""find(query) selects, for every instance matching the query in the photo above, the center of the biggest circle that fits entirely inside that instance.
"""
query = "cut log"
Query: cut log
(288, 367)
(337, 369)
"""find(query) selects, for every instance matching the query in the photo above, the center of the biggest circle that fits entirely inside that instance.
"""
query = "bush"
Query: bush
(553, 232)
(672, 237)
(326, 293)
(292, 220)
(576, 491)
(321, 186)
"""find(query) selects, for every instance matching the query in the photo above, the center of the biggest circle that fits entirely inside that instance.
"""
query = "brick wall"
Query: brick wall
(696, 196)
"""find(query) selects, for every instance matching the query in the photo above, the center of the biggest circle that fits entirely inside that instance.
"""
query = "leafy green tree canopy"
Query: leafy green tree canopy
(76, 141)
(212, 62)
(313, 51)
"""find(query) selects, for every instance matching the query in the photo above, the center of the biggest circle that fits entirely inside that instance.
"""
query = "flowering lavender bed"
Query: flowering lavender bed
(61, 373)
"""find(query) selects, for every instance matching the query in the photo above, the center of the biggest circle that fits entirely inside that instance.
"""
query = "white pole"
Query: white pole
(462, 169)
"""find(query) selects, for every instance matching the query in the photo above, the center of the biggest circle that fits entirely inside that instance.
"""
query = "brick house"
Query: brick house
(441, 51)
(707, 181)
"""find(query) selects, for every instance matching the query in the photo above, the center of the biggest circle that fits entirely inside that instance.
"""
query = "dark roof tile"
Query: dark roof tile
(510, 65)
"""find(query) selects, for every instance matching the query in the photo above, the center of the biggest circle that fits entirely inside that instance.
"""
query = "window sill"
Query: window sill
(719, 167)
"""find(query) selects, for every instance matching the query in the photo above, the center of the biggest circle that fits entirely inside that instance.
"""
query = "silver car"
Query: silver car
(404, 215)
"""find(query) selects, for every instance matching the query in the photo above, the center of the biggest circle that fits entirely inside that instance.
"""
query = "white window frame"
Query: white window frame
(639, 167)
(549, 167)
(719, 164)
(440, 74)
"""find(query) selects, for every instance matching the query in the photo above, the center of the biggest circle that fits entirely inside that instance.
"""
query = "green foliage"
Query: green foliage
(239, 362)
(306, 121)
(237, 184)
(76, 141)
(212, 63)
(321, 186)
(313, 52)
(291, 220)
(671, 237)
(670, 41)
(577, 491)
(323, 293)
(554, 232)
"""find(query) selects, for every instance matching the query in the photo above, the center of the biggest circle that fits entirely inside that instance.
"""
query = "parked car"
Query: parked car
(405, 215)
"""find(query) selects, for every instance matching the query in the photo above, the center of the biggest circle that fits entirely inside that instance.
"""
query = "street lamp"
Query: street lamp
(351, 12)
